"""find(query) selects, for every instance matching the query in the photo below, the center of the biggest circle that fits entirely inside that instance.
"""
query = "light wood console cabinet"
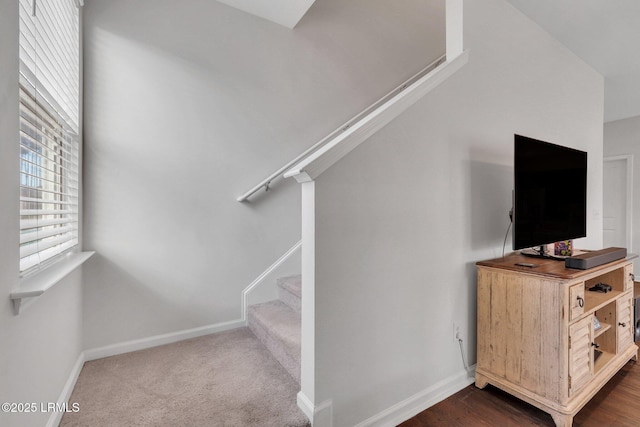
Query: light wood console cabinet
(536, 333)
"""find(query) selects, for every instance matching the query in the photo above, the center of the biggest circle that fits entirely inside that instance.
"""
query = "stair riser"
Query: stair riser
(290, 291)
(289, 361)
(289, 298)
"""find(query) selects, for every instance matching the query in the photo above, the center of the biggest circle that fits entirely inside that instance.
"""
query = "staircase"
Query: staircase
(277, 324)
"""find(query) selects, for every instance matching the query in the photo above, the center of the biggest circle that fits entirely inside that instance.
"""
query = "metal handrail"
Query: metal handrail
(265, 183)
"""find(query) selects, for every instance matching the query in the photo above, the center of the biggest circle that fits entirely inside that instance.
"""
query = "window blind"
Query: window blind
(49, 124)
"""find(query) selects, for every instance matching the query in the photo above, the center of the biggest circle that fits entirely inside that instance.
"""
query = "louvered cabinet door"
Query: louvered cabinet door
(580, 354)
(625, 322)
(629, 277)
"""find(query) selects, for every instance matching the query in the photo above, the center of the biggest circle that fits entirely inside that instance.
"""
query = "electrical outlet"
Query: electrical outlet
(456, 332)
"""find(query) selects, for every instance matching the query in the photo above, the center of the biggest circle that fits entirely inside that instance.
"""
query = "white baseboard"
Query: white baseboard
(56, 416)
(320, 415)
(305, 404)
(144, 343)
(420, 401)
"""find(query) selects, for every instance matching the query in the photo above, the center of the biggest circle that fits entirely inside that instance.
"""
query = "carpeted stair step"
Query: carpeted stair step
(278, 327)
(290, 291)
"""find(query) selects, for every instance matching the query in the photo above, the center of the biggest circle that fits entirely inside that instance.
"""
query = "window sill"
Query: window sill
(36, 285)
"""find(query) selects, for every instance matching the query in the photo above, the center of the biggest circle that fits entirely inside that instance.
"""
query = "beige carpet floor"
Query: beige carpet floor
(227, 379)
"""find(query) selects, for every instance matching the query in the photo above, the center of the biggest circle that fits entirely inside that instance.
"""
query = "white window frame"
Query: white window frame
(49, 131)
(37, 280)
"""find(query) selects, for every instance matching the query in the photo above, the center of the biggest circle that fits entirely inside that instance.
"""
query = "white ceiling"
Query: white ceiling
(283, 12)
(606, 35)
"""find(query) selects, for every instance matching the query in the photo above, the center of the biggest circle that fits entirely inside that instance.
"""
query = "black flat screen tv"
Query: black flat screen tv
(550, 193)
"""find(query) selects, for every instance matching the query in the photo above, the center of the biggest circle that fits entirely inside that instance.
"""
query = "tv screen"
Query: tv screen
(550, 193)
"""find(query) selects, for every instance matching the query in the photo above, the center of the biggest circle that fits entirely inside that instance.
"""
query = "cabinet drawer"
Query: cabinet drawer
(576, 301)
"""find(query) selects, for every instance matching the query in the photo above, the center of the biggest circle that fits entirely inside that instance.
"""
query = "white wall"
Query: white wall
(38, 348)
(188, 104)
(622, 137)
(401, 221)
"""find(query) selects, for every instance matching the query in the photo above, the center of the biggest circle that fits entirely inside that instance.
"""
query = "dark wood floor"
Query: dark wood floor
(617, 404)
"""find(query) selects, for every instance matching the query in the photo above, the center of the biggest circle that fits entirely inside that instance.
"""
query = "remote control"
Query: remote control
(526, 264)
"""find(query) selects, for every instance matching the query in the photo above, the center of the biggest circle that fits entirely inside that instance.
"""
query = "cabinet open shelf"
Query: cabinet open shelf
(595, 300)
(604, 327)
(602, 361)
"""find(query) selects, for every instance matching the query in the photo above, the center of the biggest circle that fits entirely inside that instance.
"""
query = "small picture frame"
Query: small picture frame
(596, 323)
(563, 248)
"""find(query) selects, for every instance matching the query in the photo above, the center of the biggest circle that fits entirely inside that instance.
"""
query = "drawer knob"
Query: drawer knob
(624, 325)
(595, 345)
(581, 301)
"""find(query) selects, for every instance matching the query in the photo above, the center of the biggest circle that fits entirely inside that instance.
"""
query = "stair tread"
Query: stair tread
(292, 284)
(281, 322)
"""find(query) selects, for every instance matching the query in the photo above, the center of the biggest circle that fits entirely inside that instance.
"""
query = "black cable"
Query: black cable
(505, 239)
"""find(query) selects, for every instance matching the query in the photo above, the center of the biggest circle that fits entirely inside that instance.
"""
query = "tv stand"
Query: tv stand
(537, 335)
